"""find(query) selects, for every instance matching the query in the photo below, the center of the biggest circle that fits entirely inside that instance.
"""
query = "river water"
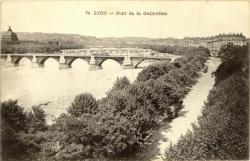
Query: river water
(33, 86)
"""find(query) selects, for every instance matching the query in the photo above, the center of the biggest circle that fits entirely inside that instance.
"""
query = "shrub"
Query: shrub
(36, 119)
(83, 103)
(13, 115)
(16, 141)
(119, 84)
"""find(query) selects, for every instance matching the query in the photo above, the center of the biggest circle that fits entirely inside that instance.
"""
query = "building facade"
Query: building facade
(214, 43)
(9, 36)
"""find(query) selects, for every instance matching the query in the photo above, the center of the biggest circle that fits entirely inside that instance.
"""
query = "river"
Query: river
(33, 86)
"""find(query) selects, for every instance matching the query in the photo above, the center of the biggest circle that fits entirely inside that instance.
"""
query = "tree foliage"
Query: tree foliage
(37, 47)
(119, 84)
(13, 115)
(120, 124)
(233, 58)
(83, 103)
(221, 132)
(17, 131)
(129, 115)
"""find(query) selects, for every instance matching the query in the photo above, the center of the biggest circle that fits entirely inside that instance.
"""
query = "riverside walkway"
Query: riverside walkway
(193, 104)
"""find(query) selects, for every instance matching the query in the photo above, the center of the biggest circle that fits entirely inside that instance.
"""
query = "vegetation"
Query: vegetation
(18, 129)
(178, 50)
(40, 43)
(234, 58)
(221, 132)
(43, 42)
(37, 47)
(83, 103)
(122, 122)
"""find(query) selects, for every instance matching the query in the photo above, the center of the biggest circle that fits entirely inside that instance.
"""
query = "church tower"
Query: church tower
(9, 36)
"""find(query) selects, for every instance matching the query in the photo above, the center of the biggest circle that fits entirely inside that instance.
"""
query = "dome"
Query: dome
(9, 35)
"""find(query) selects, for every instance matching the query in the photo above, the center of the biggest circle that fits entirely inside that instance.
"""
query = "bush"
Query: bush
(36, 119)
(83, 103)
(13, 115)
(119, 84)
(16, 141)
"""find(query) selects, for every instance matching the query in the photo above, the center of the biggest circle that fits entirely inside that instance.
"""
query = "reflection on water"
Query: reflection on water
(32, 86)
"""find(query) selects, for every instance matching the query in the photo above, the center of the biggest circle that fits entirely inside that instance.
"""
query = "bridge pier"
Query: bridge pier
(10, 62)
(62, 63)
(127, 64)
(63, 66)
(34, 63)
(93, 65)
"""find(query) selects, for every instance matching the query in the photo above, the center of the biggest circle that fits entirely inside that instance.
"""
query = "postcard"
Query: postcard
(124, 80)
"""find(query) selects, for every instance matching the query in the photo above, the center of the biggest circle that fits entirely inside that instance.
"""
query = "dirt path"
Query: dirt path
(193, 103)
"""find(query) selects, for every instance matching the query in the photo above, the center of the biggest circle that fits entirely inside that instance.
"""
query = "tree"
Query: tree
(222, 131)
(152, 72)
(15, 141)
(120, 84)
(83, 103)
(36, 119)
(13, 115)
(233, 58)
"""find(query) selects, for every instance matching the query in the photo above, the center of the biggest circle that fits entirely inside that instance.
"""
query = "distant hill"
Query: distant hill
(69, 41)
(89, 40)
(38, 36)
(86, 40)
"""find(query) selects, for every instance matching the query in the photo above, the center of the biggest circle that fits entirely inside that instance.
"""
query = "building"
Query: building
(9, 36)
(214, 43)
(54, 42)
(196, 41)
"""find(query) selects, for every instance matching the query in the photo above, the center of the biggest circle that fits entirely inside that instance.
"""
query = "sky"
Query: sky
(184, 18)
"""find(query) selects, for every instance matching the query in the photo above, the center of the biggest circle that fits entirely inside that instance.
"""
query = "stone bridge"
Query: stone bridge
(94, 60)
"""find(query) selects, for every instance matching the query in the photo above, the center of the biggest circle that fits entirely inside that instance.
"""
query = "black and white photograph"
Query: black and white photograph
(124, 80)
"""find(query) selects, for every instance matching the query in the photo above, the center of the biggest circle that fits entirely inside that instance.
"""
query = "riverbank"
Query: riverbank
(34, 86)
(123, 122)
(192, 103)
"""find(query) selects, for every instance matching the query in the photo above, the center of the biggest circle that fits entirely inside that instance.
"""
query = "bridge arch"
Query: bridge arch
(70, 62)
(42, 61)
(78, 63)
(120, 62)
(16, 61)
(143, 60)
